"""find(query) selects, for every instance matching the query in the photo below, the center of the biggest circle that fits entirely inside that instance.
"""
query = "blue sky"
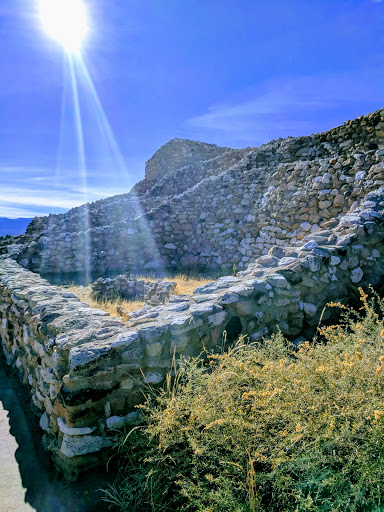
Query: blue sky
(234, 73)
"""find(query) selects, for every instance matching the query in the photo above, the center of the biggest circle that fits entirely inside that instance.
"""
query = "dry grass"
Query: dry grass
(111, 306)
(185, 285)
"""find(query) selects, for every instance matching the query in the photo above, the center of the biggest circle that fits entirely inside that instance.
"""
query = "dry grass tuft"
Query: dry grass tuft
(111, 306)
(185, 285)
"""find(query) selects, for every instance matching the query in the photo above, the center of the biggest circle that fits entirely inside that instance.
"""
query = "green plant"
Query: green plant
(267, 427)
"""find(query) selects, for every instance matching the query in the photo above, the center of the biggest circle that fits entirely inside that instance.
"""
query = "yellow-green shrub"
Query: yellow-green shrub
(267, 427)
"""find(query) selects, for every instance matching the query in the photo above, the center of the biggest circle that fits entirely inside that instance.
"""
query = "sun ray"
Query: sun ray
(100, 112)
(117, 156)
(66, 21)
(82, 166)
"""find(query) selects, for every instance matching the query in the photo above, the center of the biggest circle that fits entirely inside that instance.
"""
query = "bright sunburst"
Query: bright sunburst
(65, 21)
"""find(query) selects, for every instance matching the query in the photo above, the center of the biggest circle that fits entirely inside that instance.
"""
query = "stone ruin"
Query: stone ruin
(126, 287)
(301, 219)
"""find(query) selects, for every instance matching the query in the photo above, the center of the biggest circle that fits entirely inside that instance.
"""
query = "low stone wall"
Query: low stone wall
(126, 287)
(86, 371)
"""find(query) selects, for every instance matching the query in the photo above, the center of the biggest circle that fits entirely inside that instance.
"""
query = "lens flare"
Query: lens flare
(65, 21)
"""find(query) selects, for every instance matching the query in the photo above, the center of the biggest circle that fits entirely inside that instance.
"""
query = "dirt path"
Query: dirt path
(12, 493)
(27, 482)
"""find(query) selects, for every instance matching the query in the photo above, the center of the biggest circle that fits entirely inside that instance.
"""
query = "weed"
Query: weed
(266, 427)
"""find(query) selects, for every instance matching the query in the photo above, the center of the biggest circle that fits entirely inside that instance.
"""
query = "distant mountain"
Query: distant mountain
(13, 226)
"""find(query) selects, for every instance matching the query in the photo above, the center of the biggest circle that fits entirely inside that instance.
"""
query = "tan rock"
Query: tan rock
(324, 204)
(339, 200)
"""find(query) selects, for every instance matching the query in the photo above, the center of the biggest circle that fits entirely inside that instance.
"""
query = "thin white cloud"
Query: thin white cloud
(288, 106)
(29, 191)
(27, 202)
(15, 213)
(11, 168)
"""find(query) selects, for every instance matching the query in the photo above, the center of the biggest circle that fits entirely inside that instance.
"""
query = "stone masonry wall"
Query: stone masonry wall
(173, 155)
(121, 207)
(177, 155)
(86, 370)
(272, 196)
(130, 206)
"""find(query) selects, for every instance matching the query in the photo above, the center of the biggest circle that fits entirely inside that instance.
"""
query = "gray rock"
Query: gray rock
(309, 309)
(357, 275)
(73, 446)
(277, 281)
(74, 431)
(119, 422)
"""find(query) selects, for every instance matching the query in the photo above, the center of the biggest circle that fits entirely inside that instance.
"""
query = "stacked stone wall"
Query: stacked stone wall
(130, 206)
(173, 155)
(302, 219)
(273, 196)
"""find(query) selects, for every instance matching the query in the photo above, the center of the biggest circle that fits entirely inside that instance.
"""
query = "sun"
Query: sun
(65, 21)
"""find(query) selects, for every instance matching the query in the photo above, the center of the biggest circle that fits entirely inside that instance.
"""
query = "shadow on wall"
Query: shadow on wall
(40, 486)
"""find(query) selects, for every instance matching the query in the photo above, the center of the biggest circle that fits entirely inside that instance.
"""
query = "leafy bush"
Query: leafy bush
(266, 427)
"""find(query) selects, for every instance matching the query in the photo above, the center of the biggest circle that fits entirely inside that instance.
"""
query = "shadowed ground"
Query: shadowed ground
(27, 481)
